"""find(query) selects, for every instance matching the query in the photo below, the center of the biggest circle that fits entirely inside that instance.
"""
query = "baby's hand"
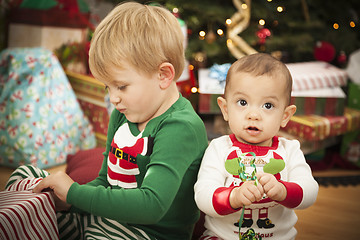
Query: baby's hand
(246, 194)
(274, 189)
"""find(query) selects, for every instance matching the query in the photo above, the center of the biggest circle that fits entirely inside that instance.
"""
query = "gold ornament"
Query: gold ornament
(239, 22)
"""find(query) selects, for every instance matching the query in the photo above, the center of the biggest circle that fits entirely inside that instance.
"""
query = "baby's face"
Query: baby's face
(255, 107)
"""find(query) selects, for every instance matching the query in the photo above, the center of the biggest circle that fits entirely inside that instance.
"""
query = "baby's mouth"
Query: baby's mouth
(252, 129)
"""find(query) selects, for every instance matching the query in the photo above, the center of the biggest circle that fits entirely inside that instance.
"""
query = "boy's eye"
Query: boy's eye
(122, 87)
(242, 102)
(106, 88)
(268, 105)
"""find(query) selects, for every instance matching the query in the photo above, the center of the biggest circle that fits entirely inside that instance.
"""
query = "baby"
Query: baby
(256, 104)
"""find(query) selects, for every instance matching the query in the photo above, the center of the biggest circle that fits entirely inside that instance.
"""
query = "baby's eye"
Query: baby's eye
(268, 105)
(242, 102)
(106, 88)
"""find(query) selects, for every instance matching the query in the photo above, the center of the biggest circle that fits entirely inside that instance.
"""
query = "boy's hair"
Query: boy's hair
(259, 64)
(140, 35)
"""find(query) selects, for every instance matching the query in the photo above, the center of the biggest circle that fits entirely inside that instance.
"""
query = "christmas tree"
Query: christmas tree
(289, 29)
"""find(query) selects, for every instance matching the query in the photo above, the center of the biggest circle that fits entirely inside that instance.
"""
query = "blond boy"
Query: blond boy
(155, 139)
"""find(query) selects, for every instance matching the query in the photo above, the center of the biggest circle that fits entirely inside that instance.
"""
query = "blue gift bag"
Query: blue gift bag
(41, 121)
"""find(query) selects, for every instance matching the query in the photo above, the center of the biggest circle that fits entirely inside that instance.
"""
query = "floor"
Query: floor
(335, 214)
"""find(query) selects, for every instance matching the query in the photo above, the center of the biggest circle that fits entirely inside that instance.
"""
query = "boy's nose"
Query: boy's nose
(114, 99)
(253, 115)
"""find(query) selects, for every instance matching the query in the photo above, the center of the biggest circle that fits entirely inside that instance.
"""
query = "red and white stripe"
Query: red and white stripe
(24, 184)
(27, 215)
(313, 75)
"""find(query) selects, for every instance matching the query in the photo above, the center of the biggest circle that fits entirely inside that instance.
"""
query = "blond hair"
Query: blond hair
(259, 64)
(140, 35)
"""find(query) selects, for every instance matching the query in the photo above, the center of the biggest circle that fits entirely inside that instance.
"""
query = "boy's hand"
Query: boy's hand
(60, 205)
(274, 189)
(59, 182)
(246, 194)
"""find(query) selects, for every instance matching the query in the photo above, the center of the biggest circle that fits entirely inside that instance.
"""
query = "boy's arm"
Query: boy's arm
(176, 150)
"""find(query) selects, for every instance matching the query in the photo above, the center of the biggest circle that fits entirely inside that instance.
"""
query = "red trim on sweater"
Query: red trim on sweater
(294, 195)
(258, 150)
(221, 201)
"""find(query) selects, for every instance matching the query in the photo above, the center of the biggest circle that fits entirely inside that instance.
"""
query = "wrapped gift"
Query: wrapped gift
(323, 101)
(27, 215)
(353, 118)
(210, 89)
(208, 103)
(41, 121)
(312, 146)
(313, 75)
(316, 88)
(91, 95)
(48, 24)
(314, 127)
(350, 145)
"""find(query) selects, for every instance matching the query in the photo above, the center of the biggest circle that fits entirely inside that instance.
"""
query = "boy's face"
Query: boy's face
(135, 94)
(256, 107)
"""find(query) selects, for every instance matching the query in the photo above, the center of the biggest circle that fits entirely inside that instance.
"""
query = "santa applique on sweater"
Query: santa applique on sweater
(266, 160)
(122, 159)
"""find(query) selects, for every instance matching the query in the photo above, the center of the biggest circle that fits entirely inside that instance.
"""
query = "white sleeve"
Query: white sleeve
(212, 175)
(299, 172)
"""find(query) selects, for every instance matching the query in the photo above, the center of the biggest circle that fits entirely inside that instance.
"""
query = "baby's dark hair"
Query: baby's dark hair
(259, 64)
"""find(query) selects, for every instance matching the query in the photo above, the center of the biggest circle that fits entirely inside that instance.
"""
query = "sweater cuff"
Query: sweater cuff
(221, 202)
(294, 195)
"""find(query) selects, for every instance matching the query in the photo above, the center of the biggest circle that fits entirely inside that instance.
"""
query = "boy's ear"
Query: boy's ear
(223, 107)
(166, 74)
(288, 113)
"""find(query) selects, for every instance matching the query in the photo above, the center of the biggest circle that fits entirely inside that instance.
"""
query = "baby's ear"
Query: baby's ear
(223, 107)
(288, 113)
(166, 74)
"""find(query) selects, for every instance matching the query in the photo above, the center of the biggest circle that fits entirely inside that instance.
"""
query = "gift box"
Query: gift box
(350, 145)
(353, 119)
(47, 24)
(91, 95)
(323, 101)
(208, 104)
(314, 127)
(27, 215)
(316, 89)
(312, 146)
(313, 75)
(210, 89)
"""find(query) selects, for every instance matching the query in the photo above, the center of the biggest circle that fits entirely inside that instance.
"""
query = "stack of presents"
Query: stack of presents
(47, 113)
(327, 100)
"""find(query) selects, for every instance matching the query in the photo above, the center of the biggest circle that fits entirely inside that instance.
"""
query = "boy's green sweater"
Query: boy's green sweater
(162, 202)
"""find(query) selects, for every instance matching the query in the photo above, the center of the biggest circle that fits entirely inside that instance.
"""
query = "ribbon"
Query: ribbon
(219, 72)
(236, 167)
